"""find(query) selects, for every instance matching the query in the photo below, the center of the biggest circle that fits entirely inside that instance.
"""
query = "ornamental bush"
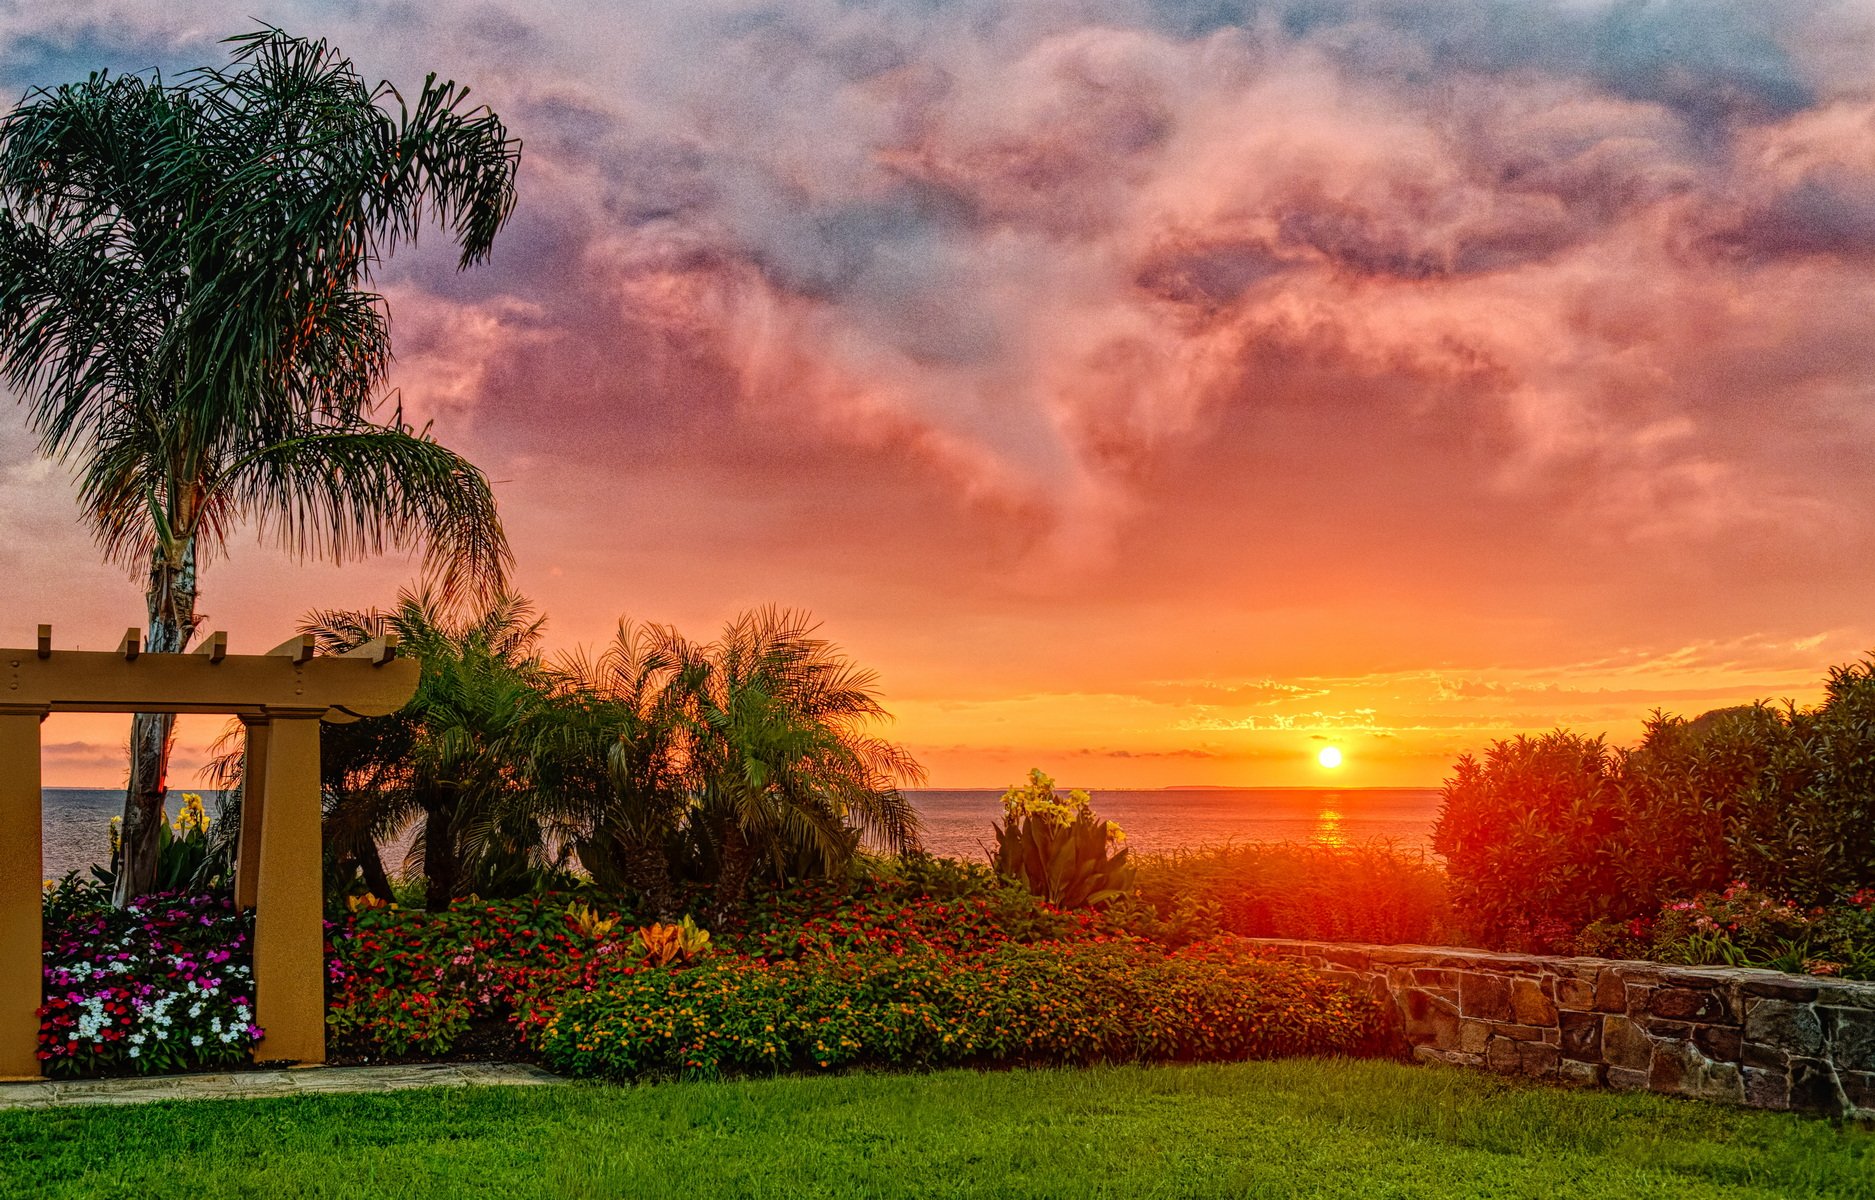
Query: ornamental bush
(165, 984)
(1050, 1003)
(1546, 836)
(401, 982)
(959, 914)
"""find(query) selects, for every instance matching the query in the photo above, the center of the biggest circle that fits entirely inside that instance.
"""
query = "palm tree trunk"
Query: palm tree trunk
(171, 604)
(648, 872)
(736, 868)
(440, 860)
(371, 866)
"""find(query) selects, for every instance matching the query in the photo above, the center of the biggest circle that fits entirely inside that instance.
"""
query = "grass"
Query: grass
(1281, 1129)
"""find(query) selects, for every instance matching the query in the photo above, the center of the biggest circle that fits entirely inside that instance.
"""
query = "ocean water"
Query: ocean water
(957, 823)
(76, 825)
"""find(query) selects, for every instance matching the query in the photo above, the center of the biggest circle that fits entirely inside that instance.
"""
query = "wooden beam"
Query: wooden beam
(45, 641)
(377, 651)
(240, 684)
(215, 646)
(132, 644)
(253, 812)
(299, 649)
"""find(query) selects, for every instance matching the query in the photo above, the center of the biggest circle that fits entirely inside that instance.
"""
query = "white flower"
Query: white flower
(135, 1051)
(196, 1040)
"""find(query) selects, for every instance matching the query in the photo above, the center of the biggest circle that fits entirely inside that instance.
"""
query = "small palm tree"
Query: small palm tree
(183, 308)
(784, 764)
(620, 786)
(460, 757)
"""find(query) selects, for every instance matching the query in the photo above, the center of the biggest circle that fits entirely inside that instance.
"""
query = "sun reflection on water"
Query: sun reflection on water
(1328, 829)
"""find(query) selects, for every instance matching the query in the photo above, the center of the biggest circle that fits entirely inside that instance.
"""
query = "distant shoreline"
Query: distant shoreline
(995, 791)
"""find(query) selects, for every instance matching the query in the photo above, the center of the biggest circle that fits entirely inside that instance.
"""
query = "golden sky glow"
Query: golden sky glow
(1040, 350)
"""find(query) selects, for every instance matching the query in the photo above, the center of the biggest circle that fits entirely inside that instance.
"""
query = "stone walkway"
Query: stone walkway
(251, 1085)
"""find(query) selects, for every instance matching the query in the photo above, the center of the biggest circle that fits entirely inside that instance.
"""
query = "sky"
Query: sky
(1152, 392)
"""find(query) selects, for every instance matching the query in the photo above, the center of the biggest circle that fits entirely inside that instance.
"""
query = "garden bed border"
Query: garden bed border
(1764, 1039)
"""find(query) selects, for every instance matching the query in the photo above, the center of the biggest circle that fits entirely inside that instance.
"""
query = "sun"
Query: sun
(1330, 757)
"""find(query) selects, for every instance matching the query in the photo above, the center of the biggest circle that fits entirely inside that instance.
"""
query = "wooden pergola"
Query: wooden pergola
(280, 697)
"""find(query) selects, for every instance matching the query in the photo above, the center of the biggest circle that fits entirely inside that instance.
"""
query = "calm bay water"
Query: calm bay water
(77, 820)
(957, 823)
(77, 825)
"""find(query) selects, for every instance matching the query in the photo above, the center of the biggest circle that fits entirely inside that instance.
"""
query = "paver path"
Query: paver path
(248, 1085)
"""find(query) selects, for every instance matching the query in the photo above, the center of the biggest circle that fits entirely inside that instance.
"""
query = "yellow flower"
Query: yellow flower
(193, 818)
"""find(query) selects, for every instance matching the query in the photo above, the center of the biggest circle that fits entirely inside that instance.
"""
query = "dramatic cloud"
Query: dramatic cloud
(1056, 350)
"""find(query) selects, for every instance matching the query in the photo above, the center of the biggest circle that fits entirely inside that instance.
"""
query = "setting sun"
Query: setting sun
(1330, 757)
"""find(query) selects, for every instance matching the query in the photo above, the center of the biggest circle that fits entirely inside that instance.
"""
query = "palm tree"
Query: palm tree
(785, 768)
(619, 782)
(183, 309)
(459, 758)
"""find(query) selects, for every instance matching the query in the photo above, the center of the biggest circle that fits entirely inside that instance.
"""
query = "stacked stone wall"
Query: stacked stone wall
(1757, 1038)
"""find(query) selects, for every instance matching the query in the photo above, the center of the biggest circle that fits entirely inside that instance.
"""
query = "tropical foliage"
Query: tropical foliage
(1057, 846)
(184, 308)
(194, 852)
(660, 766)
(460, 761)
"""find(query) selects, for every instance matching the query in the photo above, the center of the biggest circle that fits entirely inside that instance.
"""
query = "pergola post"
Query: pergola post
(253, 807)
(289, 909)
(21, 894)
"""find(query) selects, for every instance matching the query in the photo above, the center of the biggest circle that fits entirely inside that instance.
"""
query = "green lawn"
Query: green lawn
(1296, 1128)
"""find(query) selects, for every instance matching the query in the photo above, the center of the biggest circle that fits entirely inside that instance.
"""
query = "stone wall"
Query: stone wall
(1759, 1038)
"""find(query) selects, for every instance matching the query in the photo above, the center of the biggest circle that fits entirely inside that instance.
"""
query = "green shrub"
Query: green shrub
(1321, 893)
(1056, 1003)
(1682, 789)
(1546, 836)
(1806, 830)
(1525, 833)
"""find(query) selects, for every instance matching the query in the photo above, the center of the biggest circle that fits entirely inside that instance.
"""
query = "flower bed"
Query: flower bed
(407, 983)
(403, 983)
(1743, 927)
(896, 916)
(1012, 1004)
(163, 985)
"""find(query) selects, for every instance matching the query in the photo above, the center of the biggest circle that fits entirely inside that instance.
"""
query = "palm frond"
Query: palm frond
(342, 493)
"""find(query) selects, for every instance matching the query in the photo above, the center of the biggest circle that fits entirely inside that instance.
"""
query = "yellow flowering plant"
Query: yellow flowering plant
(1058, 848)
